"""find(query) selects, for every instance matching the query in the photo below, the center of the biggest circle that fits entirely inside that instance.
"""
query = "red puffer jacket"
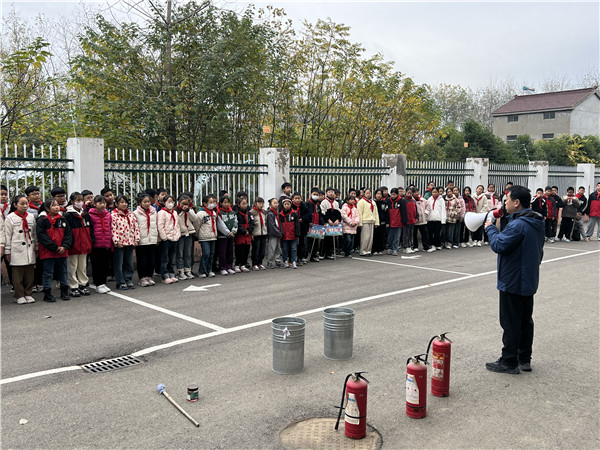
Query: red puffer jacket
(81, 227)
(395, 215)
(102, 228)
(593, 209)
(289, 223)
(53, 232)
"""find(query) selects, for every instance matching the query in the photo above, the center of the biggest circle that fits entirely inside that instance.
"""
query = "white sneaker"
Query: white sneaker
(261, 267)
(244, 269)
(230, 271)
(408, 250)
(463, 245)
(455, 246)
(143, 282)
(470, 244)
(286, 265)
(101, 289)
(438, 248)
(29, 299)
(431, 250)
(448, 246)
(478, 243)
(182, 276)
(168, 281)
(224, 272)
(203, 275)
(255, 267)
(294, 266)
(21, 301)
(237, 269)
(211, 274)
(151, 282)
(415, 249)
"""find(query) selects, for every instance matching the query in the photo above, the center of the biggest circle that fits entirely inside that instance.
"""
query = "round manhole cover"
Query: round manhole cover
(319, 433)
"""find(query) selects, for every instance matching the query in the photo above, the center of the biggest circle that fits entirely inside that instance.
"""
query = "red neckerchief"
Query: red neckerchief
(262, 222)
(384, 198)
(285, 214)
(52, 222)
(4, 209)
(31, 205)
(212, 218)
(184, 216)
(395, 201)
(350, 207)
(25, 223)
(434, 200)
(297, 207)
(80, 217)
(331, 203)
(578, 195)
(276, 215)
(448, 203)
(147, 211)
(172, 213)
(478, 200)
(126, 214)
(492, 198)
(370, 203)
(540, 201)
(245, 214)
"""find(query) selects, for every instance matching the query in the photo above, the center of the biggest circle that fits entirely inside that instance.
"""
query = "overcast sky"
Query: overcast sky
(466, 43)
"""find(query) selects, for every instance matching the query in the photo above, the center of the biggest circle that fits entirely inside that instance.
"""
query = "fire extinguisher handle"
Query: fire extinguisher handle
(359, 375)
(443, 336)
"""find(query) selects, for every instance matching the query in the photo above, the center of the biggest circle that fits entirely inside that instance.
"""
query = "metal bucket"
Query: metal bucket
(338, 333)
(288, 345)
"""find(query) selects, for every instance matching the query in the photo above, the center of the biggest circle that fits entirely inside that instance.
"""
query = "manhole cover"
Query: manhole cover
(319, 433)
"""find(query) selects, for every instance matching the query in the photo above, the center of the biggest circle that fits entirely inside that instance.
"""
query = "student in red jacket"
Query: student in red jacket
(83, 237)
(102, 248)
(410, 216)
(395, 230)
(289, 223)
(54, 240)
(593, 211)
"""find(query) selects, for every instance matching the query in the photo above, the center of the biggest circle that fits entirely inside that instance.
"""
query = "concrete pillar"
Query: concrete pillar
(540, 180)
(480, 168)
(88, 164)
(585, 178)
(278, 163)
(396, 176)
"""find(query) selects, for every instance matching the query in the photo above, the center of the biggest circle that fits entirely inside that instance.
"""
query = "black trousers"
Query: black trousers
(435, 232)
(566, 228)
(100, 257)
(517, 323)
(422, 229)
(241, 254)
(258, 250)
(144, 255)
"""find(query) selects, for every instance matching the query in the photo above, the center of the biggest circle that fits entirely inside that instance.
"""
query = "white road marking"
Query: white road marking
(167, 311)
(551, 247)
(410, 257)
(409, 265)
(267, 321)
(199, 288)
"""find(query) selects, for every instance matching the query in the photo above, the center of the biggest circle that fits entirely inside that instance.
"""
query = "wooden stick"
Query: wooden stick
(181, 410)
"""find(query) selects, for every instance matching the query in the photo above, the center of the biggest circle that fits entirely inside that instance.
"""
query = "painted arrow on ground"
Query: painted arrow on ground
(410, 257)
(199, 288)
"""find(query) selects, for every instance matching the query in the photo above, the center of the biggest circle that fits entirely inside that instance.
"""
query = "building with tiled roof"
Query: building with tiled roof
(549, 115)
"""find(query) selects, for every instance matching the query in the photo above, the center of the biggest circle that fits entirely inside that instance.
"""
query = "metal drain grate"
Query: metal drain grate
(111, 364)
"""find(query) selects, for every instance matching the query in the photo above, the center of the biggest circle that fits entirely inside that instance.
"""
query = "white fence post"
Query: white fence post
(587, 178)
(396, 176)
(278, 168)
(480, 168)
(88, 164)
(540, 180)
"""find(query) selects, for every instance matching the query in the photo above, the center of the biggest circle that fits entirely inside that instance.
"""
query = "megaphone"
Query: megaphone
(475, 220)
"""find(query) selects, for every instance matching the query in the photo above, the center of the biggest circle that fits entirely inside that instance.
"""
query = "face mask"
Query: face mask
(211, 206)
(78, 205)
(170, 205)
(314, 197)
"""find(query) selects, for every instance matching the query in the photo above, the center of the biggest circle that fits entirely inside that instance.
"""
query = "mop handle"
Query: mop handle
(181, 410)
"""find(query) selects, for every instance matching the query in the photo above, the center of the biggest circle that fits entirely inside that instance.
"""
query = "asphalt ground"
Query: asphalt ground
(220, 339)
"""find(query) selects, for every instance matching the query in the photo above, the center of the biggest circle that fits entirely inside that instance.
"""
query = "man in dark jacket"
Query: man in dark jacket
(520, 250)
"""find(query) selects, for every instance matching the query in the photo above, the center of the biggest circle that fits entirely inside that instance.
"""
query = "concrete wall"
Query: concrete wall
(532, 124)
(585, 118)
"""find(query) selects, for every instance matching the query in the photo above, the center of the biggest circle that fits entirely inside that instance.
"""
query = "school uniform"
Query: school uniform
(395, 229)
(34, 210)
(552, 212)
(102, 247)
(410, 216)
(125, 234)
(169, 232)
(4, 211)
(207, 235)
(481, 205)
(52, 233)
(453, 209)
(185, 244)
(330, 210)
(312, 216)
(379, 236)
(226, 223)
(243, 238)
(349, 226)
(302, 210)
(569, 215)
(83, 239)
(144, 252)
(19, 239)
(259, 234)
(289, 223)
(437, 218)
(368, 220)
(423, 210)
(274, 235)
(466, 234)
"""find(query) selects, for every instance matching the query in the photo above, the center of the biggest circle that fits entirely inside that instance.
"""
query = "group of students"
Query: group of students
(55, 239)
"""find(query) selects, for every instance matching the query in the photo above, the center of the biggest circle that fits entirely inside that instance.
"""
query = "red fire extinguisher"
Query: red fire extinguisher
(440, 377)
(416, 386)
(354, 397)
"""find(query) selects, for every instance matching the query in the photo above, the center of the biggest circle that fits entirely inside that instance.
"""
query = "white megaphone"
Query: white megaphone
(475, 220)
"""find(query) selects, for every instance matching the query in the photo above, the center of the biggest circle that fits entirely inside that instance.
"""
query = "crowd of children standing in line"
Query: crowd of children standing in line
(52, 239)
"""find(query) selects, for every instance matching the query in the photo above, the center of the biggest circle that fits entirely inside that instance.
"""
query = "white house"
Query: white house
(546, 116)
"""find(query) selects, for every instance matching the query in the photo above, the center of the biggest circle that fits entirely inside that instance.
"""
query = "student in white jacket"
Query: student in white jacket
(437, 218)
(145, 250)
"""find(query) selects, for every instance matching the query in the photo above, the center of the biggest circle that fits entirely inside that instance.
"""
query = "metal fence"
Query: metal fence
(43, 166)
(562, 177)
(129, 172)
(500, 174)
(339, 173)
(420, 173)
